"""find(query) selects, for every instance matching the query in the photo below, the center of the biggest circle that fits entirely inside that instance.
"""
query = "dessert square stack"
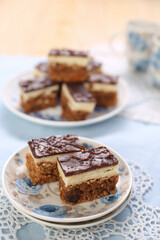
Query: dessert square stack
(84, 85)
(83, 174)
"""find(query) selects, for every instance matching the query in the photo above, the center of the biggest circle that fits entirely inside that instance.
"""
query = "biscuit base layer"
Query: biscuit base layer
(87, 191)
(41, 172)
(67, 73)
(68, 113)
(39, 103)
(105, 99)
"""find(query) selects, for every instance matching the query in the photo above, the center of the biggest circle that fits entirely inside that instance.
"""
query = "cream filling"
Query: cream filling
(77, 106)
(83, 177)
(52, 158)
(70, 60)
(39, 73)
(102, 87)
(33, 94)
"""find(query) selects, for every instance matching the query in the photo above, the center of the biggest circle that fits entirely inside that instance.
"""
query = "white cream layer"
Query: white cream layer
(101, 87)
(77, 106)
(52, 158)
(69, 60)
(83, 177)
(33, 94)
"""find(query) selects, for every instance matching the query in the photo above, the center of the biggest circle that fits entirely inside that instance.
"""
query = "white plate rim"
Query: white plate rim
(79, 224)
(69, 220)
(106, 116)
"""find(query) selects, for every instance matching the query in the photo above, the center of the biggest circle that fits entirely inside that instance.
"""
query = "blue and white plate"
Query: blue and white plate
(84, 224)
(52, 116)
(43, 201)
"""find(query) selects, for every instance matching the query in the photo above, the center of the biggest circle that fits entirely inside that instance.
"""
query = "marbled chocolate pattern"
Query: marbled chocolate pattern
(80, 93)
(102, 78)
(67, 52)
(36, 83)
(87, 160)
(53, 145)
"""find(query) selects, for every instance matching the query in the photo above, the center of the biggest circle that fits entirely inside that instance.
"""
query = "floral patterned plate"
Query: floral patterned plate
(82, 224)
(43, 201)
(52, 116)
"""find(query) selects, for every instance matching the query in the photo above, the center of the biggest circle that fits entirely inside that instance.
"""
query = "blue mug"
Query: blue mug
(154, 68)
(138, 50)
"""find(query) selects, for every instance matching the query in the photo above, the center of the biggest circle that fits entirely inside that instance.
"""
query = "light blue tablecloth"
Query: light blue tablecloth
(135, 141)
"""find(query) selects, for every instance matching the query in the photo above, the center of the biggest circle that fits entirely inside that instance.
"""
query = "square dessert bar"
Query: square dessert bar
(87, 175)
(41, 69)
(38, 93)
(104, 89)
(68, 65)
(41, 161)
(76, 101)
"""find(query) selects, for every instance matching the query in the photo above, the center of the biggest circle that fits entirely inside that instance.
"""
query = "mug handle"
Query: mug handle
(115, 48)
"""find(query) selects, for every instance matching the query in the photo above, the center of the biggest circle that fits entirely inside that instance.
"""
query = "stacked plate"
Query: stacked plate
(42, 203)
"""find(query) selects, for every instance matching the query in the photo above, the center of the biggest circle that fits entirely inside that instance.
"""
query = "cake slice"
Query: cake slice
(76, 101)
(38, 93)
(87, 175)
(104, 89)
(41, 161)
(68, 65)
(41, 69)
(94, 67)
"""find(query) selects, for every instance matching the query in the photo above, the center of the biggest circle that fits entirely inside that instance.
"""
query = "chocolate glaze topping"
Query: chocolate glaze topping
(87, 160)
(53, 145)
(36, 83)
(92, 65)
(102, 78)
(80, 93)
(43, 67)
(67, 52)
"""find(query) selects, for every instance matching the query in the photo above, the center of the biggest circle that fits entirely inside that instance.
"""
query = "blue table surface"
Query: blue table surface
(133, 140)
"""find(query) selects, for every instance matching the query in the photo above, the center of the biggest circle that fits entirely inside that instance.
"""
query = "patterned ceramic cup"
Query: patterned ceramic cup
(154, 68)
(139, 43)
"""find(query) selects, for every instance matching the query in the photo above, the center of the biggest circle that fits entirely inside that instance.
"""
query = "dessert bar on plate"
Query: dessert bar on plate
(38, 93)
(68, 65)
(104, 88)
(76, 101)
(41, 161)
(87, 175)
(41, 69)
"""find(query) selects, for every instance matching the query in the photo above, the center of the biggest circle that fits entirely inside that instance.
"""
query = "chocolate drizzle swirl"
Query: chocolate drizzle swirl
(53, 145)
(36, 83)
(80, 93)
(67, 52)
(102, 78)
(87, 160)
